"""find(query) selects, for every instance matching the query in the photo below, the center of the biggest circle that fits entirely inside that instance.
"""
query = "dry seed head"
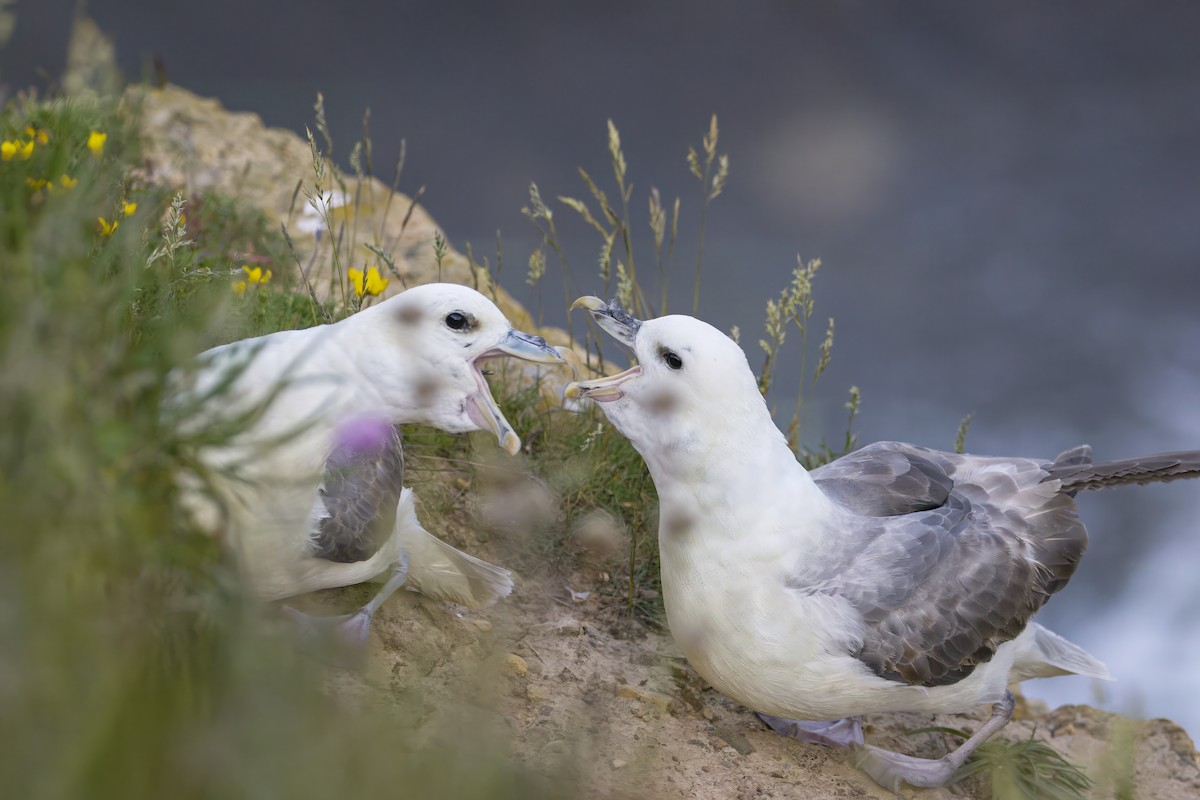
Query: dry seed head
(581, 208)
(658, 218)
(318, 162)
(537, 267)
(618, 158)
(710, 141)
(322, 125)
(826, 349)
(366, 140)
(537, 207)
(693, 160)
(440, 248)
(174, 231)
(718, 181)
(960, 438)
(606, 256)
(624, 286)
(600, 196)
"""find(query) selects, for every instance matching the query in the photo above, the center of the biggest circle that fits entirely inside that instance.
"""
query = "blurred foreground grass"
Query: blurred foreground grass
(130, 664)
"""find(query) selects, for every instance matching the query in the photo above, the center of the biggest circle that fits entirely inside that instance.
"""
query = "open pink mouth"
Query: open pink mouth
(485, 412)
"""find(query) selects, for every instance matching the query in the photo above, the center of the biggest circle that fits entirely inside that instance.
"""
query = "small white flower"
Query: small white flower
(317, 209)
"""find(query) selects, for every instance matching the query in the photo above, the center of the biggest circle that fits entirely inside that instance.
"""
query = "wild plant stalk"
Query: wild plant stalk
(393, 188)
(413, 202)
(542, 218)
(321, 174)
(794, 306)
(499, 263)
(658, 226)
(852, 405)
(319, 199)
(960, 438)
(475, 267)
(712, 186)
(174, 234)
(317, 305)
(537, 269)
(630, 290)
(344, 239)
(440, 248)
(388, 262)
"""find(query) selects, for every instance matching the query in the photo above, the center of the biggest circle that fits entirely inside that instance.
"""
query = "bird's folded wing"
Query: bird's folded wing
(356, 503)
(887, 478)
(940, 589)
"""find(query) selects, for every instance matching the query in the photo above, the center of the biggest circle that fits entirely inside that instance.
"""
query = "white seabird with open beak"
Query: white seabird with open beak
(896, 578)
(312, 482)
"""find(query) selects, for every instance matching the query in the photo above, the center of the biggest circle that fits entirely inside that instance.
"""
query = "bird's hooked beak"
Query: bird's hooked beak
(614, 320)
(526, 347)
(482, 407)
(603, 390)
(623, 327)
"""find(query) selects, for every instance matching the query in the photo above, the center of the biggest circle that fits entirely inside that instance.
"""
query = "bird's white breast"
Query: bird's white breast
(772, 647)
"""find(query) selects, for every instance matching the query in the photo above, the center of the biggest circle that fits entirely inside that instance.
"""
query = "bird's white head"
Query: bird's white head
(424, 351)
(691, 390)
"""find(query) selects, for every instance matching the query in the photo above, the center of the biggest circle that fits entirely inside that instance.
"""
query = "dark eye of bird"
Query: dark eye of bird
(673, 361)
(456, 320)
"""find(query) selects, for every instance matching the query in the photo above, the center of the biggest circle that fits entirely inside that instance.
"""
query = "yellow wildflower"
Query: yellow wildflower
(35, 183)
(371, 283)
(376, 283)
(95, 142)
(256, 276)
(68, 182)
(108, 228)
(8, 150)
(25, 149)
(41, 136)
(239, 287)
(128, 208)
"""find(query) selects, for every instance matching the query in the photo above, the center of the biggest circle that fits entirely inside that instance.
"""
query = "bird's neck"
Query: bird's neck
(740, 461)
(388, 379)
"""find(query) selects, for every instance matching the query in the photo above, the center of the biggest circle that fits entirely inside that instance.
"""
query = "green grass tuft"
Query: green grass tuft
(1025, 769)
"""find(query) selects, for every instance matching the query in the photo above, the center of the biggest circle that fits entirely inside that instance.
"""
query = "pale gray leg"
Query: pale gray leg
(890, 770)
(844, 732)
(342, 640)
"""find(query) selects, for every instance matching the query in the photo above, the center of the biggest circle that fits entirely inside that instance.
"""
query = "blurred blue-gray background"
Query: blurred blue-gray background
(1005, 196)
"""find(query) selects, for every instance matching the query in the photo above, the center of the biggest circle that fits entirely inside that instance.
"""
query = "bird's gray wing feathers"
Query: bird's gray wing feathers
(887, 478)
(940, 589)
(359, 493)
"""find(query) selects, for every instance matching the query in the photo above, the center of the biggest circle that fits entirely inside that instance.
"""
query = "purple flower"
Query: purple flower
(358, 435)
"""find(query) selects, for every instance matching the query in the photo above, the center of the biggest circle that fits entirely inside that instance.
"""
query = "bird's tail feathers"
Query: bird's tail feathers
(440, 571)
(1076, 472)
(1041, 653)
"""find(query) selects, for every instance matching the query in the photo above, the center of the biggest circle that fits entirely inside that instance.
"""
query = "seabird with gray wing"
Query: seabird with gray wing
(896, 578)
(311, 489)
